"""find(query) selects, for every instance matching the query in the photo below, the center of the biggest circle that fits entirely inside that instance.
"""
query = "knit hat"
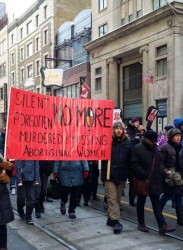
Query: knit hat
(168, 127)
(140, 128)
(151, 135)
(118, 125)
(172, 132)
(134, 120)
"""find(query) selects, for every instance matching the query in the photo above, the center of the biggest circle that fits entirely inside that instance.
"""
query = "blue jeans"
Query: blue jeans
(12, 182)
(166, 197)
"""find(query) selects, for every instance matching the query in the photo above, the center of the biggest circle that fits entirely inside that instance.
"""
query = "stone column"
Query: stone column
(144, 51)
(113, 81)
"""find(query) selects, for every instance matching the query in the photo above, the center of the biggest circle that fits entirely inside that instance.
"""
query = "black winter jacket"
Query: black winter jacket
(120, 161)
(168, 160)
(141, 164)
(6, 212)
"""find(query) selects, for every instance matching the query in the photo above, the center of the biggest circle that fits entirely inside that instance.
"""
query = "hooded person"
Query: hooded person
(178, 123)
(114, 173)
(170, 161)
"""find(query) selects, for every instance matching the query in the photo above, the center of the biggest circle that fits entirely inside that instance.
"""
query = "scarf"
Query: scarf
(177, 148)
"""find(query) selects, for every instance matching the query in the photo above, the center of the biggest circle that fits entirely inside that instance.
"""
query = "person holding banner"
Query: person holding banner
(6, 212)
(27, 178)
(71, 174)
(114, 173)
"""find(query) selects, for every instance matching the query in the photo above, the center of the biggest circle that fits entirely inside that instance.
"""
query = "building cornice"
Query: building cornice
(128, 29)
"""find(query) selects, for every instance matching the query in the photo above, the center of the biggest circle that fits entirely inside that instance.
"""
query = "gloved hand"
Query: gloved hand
(56, 175)
(4, 178)
(85, 174)
(6, 165)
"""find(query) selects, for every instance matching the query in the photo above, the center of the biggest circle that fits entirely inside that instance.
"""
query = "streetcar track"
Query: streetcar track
(135, 222)
(67, 244)
(52, 235)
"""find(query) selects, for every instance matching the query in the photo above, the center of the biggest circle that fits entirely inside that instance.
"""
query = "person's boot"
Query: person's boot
(41, 207)
(29, 211)
(21, 213)
(37, 210)
(165, 229)
(118, 227)
(62, 208)
(143, 228)
(179, 212)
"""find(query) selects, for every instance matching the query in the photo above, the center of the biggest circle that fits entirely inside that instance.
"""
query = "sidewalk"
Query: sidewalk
(89, 230)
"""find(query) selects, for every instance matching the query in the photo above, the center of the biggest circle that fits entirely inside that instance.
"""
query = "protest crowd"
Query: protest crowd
(151, 164)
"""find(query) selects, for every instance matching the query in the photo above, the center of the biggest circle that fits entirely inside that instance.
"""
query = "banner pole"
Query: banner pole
(108, 169)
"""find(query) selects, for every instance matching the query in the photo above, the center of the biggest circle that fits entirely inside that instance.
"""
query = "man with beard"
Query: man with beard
(114, 173)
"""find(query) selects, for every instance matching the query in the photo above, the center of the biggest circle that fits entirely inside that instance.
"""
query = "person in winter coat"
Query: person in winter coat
(90, 185)
(178, 123)
(133, 133)
(6, 212)
(169, 153)
(45, 169)
(114, 173)
(71, 175)
(145, 156)
(27, 178)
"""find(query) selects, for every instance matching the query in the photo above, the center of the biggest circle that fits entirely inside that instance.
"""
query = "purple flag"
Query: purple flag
(162, 139)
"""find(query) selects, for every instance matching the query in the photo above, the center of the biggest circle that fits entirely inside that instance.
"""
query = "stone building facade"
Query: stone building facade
(30, 40)
(132, 39)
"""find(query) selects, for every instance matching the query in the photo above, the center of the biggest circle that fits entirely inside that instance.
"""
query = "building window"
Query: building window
(12, 39)
(37, 20)
(161, 60)
(139, 13)
(122, 21)
(29, 50)
(133, 76)
(162, 51)
(162, 67)
(2, 47)
(37, 68)
(29, 25)
(98, 71)
(22, 75)
(103, 30)
(130, 18)
(29, 71)
(132, 84)
(37, 44)
(21, 54)
(21, 33)
(45, 12)
(12, 58)
(45, 60)
(72, 91)
(45, 37)
(13, 78)
(98, 84)
(158, 3)
(98, 79)
(2, 70)
(1, 94)
(102, 4)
